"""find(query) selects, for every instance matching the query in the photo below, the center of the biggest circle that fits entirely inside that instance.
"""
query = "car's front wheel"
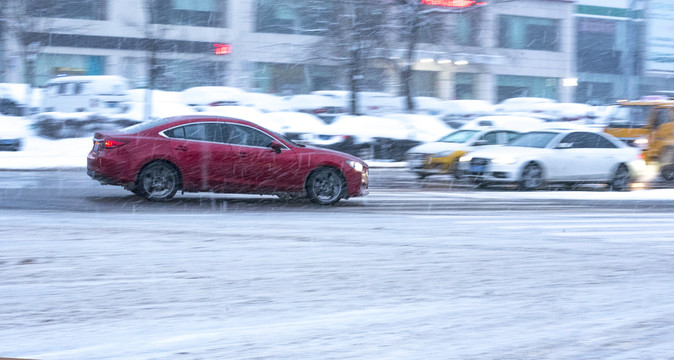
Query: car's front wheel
(621, 179)
(158, 182)
(532, 177)
(326, 186)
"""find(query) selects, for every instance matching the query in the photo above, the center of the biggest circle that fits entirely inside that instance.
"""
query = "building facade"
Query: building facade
(493, 51)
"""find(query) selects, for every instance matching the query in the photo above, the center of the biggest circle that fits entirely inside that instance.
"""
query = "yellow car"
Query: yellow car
(441, 157)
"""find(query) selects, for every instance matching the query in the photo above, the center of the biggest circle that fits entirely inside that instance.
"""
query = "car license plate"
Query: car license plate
(477, 168)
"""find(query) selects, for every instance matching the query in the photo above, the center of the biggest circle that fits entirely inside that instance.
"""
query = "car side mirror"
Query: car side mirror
(276, 146)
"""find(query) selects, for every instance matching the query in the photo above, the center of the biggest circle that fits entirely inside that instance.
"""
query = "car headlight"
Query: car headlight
(504, 160)
(356, 165)
(641, 143)
(466, 158)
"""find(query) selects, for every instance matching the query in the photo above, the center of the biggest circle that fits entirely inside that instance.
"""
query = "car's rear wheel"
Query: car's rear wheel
(326, 186)
(158, 182)
(667, 165)
(621, 179)
(532, 177)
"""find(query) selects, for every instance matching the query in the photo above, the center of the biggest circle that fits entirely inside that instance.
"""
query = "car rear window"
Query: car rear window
(133, 129)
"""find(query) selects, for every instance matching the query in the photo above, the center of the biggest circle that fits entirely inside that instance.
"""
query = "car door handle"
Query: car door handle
(181, 148)
(243, 154)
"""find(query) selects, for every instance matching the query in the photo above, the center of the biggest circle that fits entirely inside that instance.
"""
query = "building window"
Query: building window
(206, 13)
(529, 33)
(293, 17)
(596, 46)
(49, 66)
(510, 86)
(289, 79)
(467, 28)
(178, 75)
(464, 86)
(424, 83)
(70, 9)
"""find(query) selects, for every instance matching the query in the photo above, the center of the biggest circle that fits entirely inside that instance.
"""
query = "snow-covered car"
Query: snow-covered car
(299, 127)
(564, 156)
(99, 94)
(368, 136)
(514, 122)
(10, 143)
(456, 113)
(441, 157)
(422, 127)
(203, 97)
(522, 104)
(325, 107)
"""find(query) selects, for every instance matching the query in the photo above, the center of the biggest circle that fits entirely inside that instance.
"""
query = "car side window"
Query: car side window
(601, 142)
(248, 136)
(511, 135)
(203, 132)
(490, 138)
(575, 140)
(176, 133)
(661, 117)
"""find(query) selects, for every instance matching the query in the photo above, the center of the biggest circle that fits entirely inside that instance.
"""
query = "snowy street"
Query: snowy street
(363, 280)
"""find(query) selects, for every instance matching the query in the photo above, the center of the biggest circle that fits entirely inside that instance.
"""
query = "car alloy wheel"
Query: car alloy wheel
(621, 179)
(158, 182)
(325, 186)
(532, 177)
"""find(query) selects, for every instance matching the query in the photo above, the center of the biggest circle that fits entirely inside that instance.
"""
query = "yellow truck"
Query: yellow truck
(649, 125)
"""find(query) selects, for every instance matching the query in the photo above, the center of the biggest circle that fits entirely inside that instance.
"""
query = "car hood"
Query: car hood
(514, 151)
(436, 147)
(309, 149)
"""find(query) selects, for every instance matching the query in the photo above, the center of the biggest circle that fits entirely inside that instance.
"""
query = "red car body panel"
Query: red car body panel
(218, 167)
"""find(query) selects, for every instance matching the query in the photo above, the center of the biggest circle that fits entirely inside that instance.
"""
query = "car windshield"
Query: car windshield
(535, 139)
(629, 116)
(460, 136)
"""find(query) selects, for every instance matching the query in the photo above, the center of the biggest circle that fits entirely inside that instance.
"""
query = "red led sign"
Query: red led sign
(223, 49)
(454, 3)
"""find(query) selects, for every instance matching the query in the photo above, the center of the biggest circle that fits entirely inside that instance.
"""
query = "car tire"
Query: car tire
(667, 165)
(621, 179)
(325, 186)
(158, 181)
(531, 178)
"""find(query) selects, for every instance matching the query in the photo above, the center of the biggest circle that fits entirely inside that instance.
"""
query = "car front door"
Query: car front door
(258, 167)
(203, 158)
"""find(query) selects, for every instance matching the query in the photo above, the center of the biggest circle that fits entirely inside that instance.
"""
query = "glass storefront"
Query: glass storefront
(510, 86)
(49, 66)
(529, 33)
(464, 86)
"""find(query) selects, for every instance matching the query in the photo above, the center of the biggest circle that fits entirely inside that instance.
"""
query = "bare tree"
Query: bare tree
(353, 34)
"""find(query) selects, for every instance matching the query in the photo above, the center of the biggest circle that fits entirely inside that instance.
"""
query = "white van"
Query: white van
(105, 94)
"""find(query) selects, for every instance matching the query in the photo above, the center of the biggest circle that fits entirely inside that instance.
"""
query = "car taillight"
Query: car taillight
(111, 144)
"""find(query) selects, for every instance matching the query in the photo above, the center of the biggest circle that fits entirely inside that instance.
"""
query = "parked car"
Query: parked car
(197, 153)
(201, 98)
(563, 156)
(441, 157)
(514, 122)
(101, 94)
(10, 143)
(456, 113)
(368, 136)
(522, 104)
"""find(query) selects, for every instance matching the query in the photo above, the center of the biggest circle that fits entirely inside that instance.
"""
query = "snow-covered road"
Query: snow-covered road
(337, 285)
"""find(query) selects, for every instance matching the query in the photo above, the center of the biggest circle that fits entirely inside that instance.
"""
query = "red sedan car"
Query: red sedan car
(206, 153)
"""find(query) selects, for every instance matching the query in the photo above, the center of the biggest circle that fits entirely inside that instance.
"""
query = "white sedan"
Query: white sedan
(556, 156)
